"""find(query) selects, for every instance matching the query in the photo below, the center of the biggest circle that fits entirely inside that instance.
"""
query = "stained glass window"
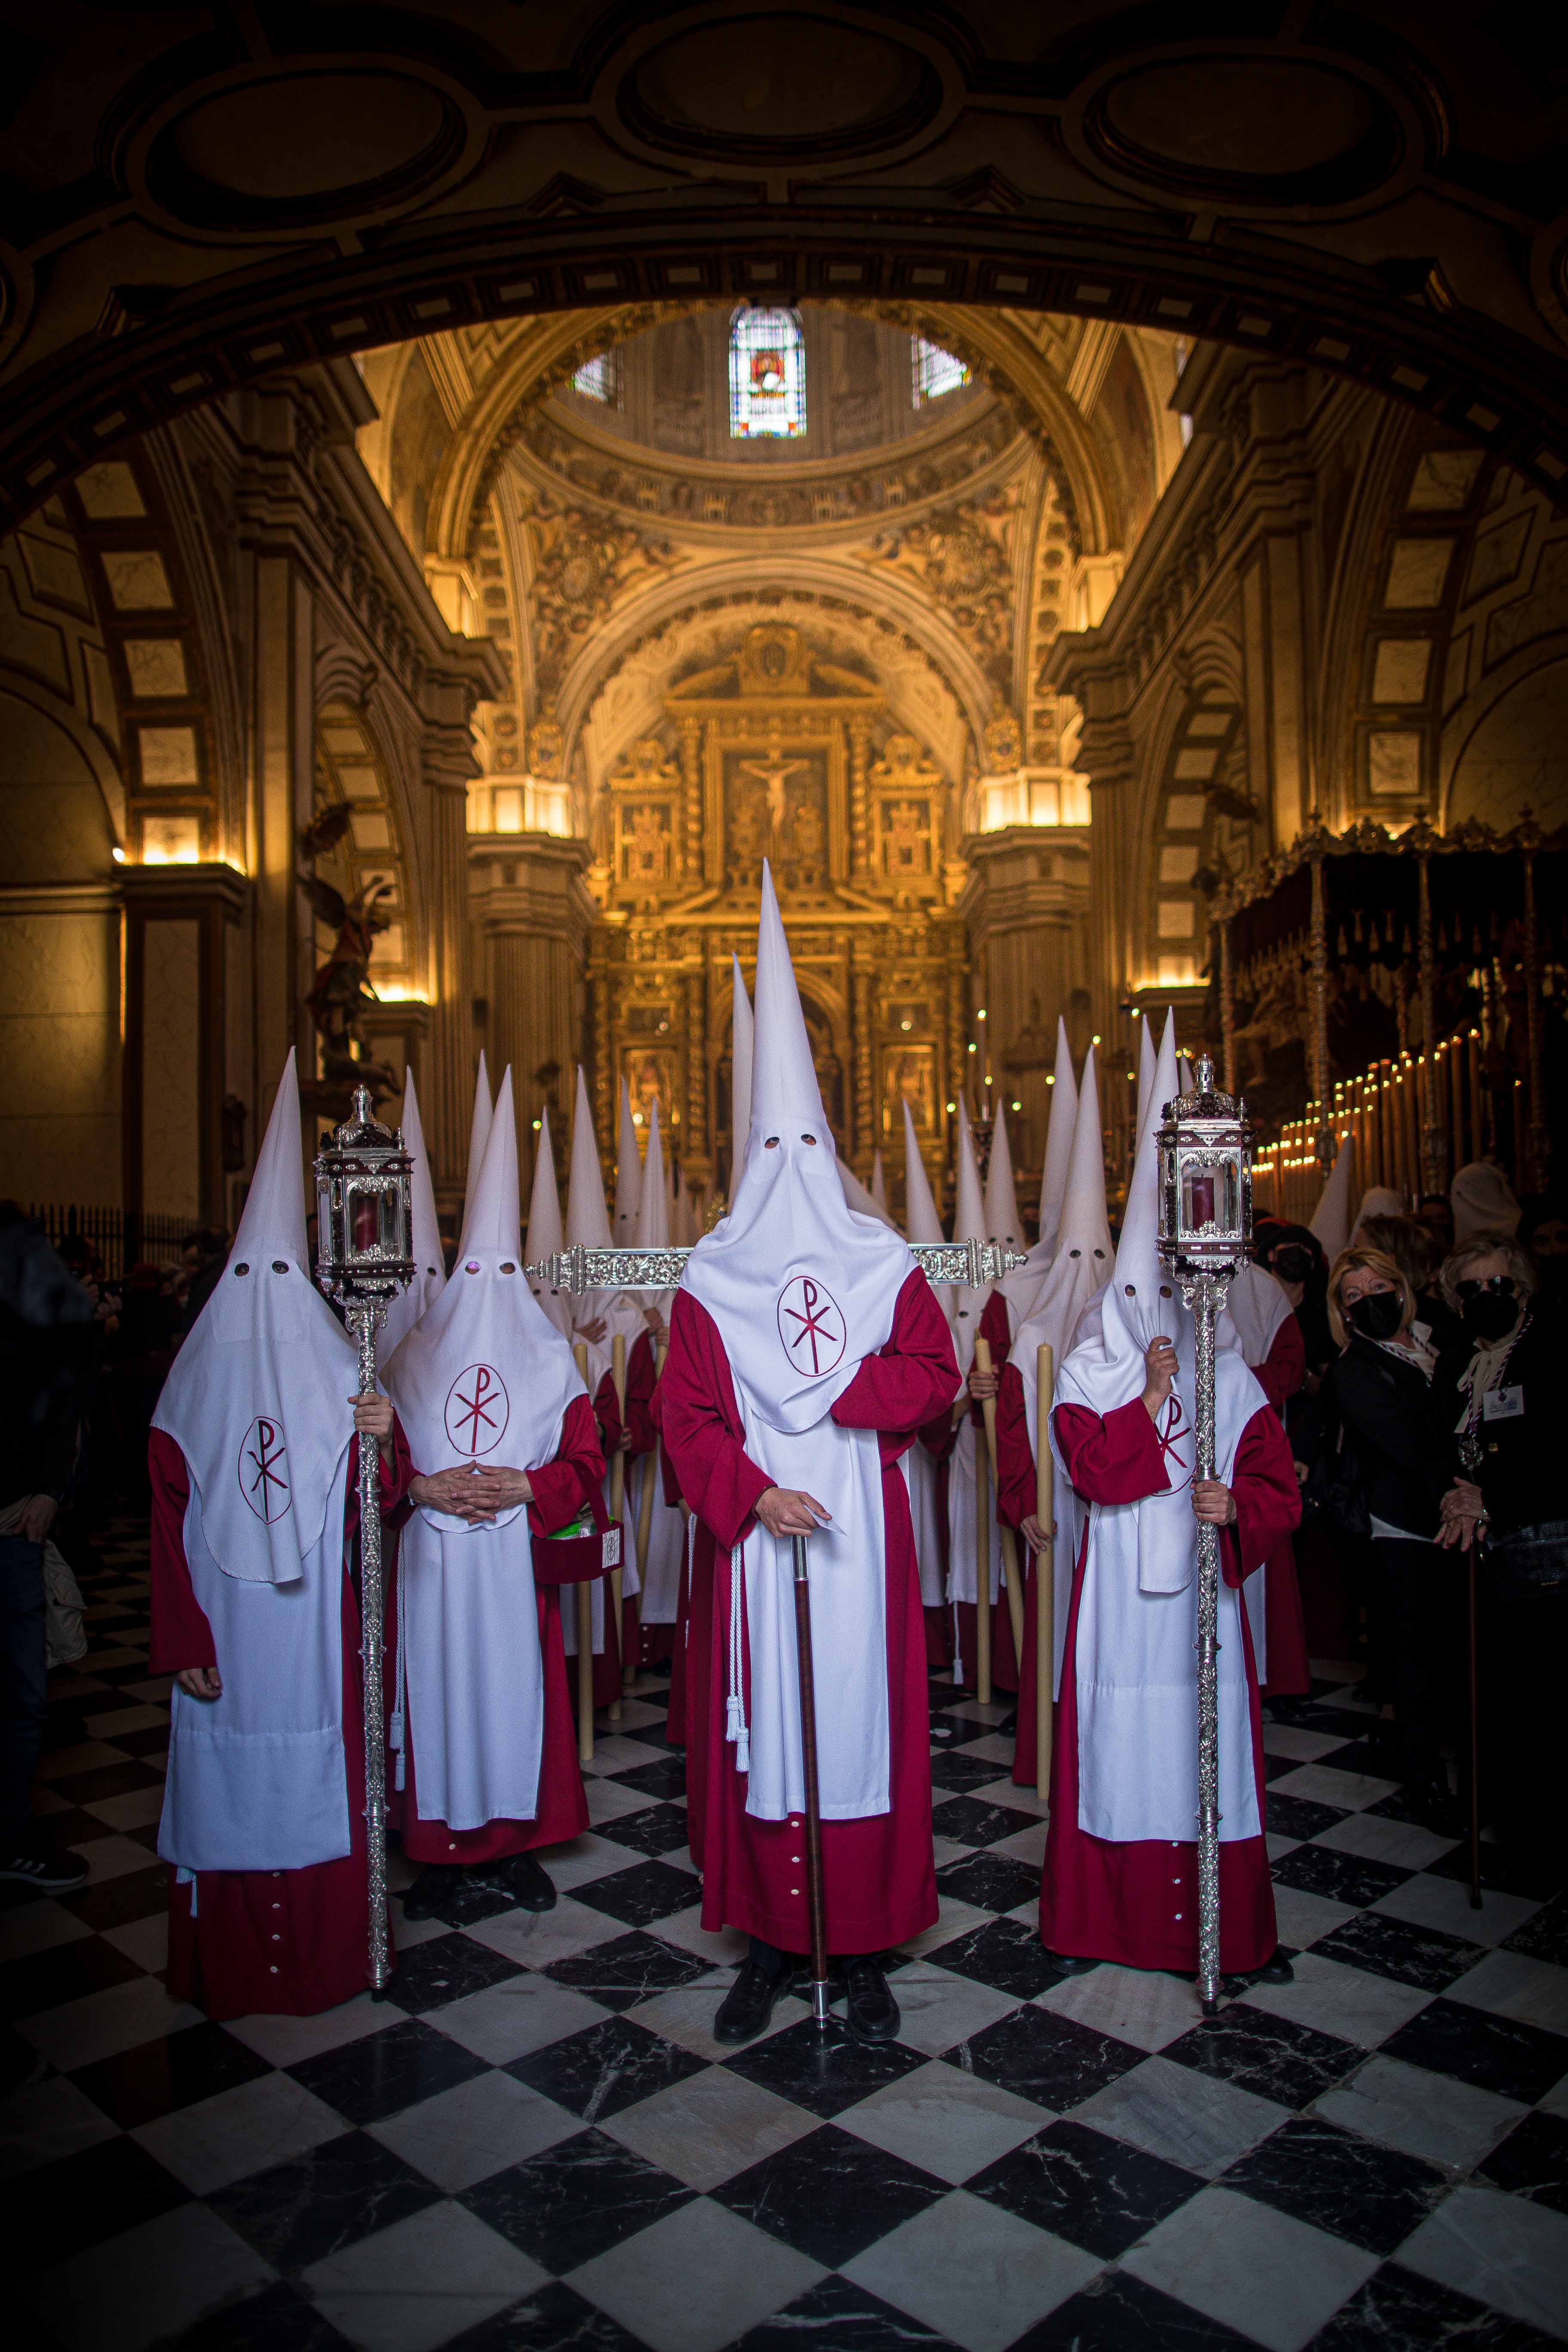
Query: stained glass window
(767, 376)
(934, 371)
(600, 379)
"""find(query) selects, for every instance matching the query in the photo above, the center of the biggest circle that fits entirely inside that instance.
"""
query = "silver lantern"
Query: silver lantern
(1205, 1224)
(363, 1259)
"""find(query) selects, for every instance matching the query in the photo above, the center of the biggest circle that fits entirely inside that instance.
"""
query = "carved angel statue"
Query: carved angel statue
(342, 989)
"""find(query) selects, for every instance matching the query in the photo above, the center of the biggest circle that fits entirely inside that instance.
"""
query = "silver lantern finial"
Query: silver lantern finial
(363, 1259)
(1204, 1145)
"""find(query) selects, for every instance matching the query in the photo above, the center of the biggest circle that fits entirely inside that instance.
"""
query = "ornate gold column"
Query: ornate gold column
(690, 734)
(859, 808)
(863, 986)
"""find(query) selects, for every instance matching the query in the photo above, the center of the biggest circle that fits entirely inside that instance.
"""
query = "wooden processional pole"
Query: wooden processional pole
(1045, 1572)
(584, 1594)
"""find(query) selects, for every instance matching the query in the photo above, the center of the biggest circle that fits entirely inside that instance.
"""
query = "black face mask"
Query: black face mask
(1377, 1316)
(1291, 1262)
(1490, 1314)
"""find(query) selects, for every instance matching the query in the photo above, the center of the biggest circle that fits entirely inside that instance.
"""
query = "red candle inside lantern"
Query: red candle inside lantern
(366, 1220)
(1200, 1195)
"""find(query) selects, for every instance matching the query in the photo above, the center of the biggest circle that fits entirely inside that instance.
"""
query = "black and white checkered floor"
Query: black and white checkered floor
(537, 2143)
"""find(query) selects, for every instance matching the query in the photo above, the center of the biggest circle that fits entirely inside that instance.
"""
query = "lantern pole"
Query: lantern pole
(364, 1318)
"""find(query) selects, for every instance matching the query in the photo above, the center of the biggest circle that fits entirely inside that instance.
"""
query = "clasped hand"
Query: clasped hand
(790, 1511)
(476, 1494)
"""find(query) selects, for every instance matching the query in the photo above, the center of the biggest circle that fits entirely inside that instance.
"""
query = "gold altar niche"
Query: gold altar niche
(776, 754)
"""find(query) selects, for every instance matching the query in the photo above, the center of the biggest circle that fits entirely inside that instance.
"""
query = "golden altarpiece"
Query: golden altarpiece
(773, 753)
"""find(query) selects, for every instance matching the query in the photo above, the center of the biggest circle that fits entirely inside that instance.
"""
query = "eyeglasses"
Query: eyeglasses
(1500, 1284)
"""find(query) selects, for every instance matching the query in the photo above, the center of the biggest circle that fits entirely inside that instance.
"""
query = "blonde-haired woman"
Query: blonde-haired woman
(1381, 1385)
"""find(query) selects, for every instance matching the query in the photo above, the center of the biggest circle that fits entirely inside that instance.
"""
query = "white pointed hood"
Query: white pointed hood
(1059, 1144)
(1256, 1305)
(1148, 1055)
(740, 1031)
(800, 1288)
(920, 1220)
(653, 1216)
(545, 1237)
(429, 1263)
(485, 1375)
(1105, 1369)
(880, 1185)
(1483, 1202)
(1382, 1201)
(968, 1226)
(1082, 1262)
(1003, 1223)
(479, 1132)
(628, 1174)
(1330, 1220)
(257, 1400)
(588, 1224)
(865, 1202)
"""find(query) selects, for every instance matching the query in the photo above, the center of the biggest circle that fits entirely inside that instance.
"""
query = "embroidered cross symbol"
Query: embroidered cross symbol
(477, 1410)
(1172, 1425)
(261, 1479)
(809, 1317)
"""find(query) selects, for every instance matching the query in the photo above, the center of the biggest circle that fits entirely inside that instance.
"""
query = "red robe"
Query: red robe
(1016, 1497)
(1137, 1902)
(608, 1676)
(1290, 1671)
(288, 1942)
(647, 1644)
(878, 1871)
(559, 1487)
(938, 1438)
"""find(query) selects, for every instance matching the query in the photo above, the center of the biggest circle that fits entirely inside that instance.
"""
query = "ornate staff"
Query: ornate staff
(1206, 1221)
(1012, 1578)
(577, 1269)
(617, 1497)
(1045, 1572)
(584, 1592)
(363, 1259)
(815, 1900)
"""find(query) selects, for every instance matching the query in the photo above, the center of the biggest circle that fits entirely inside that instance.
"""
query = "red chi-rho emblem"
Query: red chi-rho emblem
(263, 1467)
(811, 1324)
(477, 1410)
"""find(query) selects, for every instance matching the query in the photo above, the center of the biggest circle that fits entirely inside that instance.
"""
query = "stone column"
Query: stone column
(1025, 910)
(533, 918)
(446, 1084)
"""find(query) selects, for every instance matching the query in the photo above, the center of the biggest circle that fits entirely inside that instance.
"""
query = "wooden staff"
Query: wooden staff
(815, 1900)
(982, 1573)
(1010, 1576)
(618, 1496)
(1045, 1572)
(584, 1593)
(1474, 1694)
(653, 1464)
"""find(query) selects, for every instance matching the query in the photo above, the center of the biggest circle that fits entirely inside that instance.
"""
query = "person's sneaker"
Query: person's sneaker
(37, 1862)
(746, 2008)
(432, 1890)
(870, 2011)
(527, 1882)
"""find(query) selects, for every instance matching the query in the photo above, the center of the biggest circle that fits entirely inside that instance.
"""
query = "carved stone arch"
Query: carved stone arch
(1192, 800)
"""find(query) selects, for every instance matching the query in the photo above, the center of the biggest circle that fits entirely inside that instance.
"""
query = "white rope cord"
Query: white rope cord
(735, 1705)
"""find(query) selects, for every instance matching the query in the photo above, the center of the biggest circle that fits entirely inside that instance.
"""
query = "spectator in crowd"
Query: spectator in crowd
(205, 1255)
(1380, 1385)
(1436, 1211)
(45, 1316)
(1543, 1229)
(1411, 1245)
(1498, 1399)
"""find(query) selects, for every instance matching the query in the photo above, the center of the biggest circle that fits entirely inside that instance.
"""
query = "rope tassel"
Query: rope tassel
(735, 1703)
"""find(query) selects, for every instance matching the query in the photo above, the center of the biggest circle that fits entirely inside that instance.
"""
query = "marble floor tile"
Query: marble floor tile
(1196, 2121)
(839, 2316)
(607, 2067)
(976, 1710)
(1473, 2046)
(627, 1970)
(1006, 1953)
(284, 2041)
(721, 1947)
(1351, 2186)
(1408, 1844)
(959, 1771)
(1304, 1919)
(128, 1894)
(1299, 1740)
(147, 2283)
(661, 1778)
(38, 1928)
(686, 2015)
(1334, 1998)
(977, 1822)
(696, 2280)
(115, 1856)
(1329, 1784)
(1443, 1903)
(1082, 2185)
(608, 1802)
(145, 1941)
(443, 1968)
(658, 1830)
(1027, 1846)
(972, 2270)
(822, 2072)
(1053, 2061)
(1511, 1984)
(241, 2131)
(620, 1751)
(989, 1882)
(1508, 2252)
(556, 2319)
(643, 1893)
(422, 2282)
(134, 1811)
(1274, 2056)
(1533, 2161)
(944, 2120)
(939, 2010)
(1020, 1797)
(1272, 2277)
(87, 1756)
(713, 2125)
(1298, 1817)
(1343, 1878)
(70, 1972)
(510, 2018)
(955, 1918)
(1383, 1945)
(993, 1748)
(1544, 1937)
(536, 1938)
(1398, 2308)
(46, 2121)
(1386, 2100)
(577, 2199)
(385, 2072)
(830, 2195)
(321, 2201)
(1142, 2006)
(276, 2318)
(1116, 2313)
(101, 2024)
(474, 2129)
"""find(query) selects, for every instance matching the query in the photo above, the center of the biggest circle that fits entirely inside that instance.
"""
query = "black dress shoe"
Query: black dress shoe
(1275, 1969)
(746, 2008)
(871, 2012)
(526, 1880)
(432, 1890)
(1072, 1963)
(1434, 1806)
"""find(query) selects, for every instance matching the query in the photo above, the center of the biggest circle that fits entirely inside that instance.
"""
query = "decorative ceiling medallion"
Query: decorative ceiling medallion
(1255, 131)
(15, 296)
(332, 141)
(792, 88)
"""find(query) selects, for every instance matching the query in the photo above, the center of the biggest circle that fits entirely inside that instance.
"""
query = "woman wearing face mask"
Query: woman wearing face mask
(1380, 1386)
(1498, 1399)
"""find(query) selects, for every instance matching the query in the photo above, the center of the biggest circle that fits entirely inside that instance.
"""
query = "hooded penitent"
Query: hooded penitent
(258, 1404)
(1331, 1222)
(1382, 1201)
(921, 1475)
(879, 1187)
(741, 1026)
(588, 1224)
(429, 1276)
(545, 1237)
(666, 1529)
(1483, 1202)
(968, 1305)
(1134, 1660)
(479, 1130)
(1255, 1306)
(858, 1197)
(802, 1289)
(1058, 1147)
(1148, 1055)
(1079, 1272)
(628, 1174)
(968, 1226)
(485, 1378)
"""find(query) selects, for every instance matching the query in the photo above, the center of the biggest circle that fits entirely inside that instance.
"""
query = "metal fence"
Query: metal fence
(119, 1240)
